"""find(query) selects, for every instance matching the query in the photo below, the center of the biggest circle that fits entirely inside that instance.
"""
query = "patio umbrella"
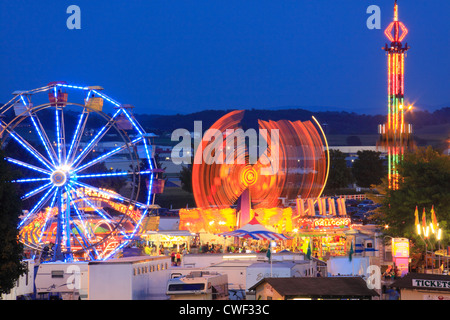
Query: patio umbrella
(254, 230)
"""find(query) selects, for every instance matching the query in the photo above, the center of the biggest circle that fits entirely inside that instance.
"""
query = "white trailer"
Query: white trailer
(64, 280)
(199, 285)
(131, 278)
(342, 266)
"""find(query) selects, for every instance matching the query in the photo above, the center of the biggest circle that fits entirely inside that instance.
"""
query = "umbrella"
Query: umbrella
(255, 230)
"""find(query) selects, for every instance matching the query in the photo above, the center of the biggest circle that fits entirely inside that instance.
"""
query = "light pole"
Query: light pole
(425, 232)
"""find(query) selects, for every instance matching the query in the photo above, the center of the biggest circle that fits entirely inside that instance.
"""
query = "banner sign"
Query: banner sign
(324, 223)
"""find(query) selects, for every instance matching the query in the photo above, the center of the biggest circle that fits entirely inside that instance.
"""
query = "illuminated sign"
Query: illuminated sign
(325, 223)
(400, 254)
(400, 247)
(332, 222)
(431, 283)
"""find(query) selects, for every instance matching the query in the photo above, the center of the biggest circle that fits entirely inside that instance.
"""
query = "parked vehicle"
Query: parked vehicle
(198, 285)
(351, 210)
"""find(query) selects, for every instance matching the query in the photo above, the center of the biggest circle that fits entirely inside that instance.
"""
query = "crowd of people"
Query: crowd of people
(391, 273)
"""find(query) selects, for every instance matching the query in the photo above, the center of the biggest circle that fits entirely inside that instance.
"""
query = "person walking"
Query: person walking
(172, 258)
(178, 259)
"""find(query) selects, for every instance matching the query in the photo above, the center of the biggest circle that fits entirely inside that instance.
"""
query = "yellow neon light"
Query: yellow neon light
(328, 157)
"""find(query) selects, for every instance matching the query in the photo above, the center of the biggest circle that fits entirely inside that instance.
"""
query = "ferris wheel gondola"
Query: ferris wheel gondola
(66, 152)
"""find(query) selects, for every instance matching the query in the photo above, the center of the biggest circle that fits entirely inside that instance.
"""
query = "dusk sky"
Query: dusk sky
(170, 57)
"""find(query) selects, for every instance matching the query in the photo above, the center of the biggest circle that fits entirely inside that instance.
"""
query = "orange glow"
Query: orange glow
(301, 164)
(249, 176)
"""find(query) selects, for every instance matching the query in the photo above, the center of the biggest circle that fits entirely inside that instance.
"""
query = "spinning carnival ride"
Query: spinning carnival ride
(293, 162)
(62, 150)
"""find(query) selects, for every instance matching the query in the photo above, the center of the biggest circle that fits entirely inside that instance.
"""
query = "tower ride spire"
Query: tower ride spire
(395, 135)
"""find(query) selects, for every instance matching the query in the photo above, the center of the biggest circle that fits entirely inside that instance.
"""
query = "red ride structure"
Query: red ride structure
(396, 135)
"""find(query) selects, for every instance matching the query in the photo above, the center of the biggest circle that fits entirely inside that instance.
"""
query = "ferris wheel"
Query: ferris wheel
(87, 173)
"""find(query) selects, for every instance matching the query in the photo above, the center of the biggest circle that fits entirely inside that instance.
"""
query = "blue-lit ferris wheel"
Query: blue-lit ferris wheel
(87, 173)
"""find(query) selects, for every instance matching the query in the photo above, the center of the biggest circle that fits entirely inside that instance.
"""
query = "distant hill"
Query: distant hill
(333, 122)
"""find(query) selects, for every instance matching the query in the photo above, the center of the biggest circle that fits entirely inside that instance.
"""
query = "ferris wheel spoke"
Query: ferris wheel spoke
(108, 154)
(29, 148)
(60, 136)
(30, 180)
(83, 245)
(81, 233)
(38, 206)
(43, 137)
(47, 217)
(87, 230)
(36, 191)
(133, 122)
(104, 175)
(86, 244)
(96, 139)
(27, 165)
(78, 134)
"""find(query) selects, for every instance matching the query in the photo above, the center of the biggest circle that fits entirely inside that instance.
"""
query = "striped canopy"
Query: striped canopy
(255, 230)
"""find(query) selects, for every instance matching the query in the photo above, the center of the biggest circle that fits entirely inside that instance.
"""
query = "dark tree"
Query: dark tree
(424, 182)
(186, 178)
(368, 168)
(340, 175)
(11, 249)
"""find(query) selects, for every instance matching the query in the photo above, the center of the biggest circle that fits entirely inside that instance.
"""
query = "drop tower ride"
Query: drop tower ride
(395, 135)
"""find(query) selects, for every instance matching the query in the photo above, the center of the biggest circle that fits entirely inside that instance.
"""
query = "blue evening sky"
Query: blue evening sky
(173, 56)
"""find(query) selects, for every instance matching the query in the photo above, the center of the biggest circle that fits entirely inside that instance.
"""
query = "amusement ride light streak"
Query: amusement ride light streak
(300, 160)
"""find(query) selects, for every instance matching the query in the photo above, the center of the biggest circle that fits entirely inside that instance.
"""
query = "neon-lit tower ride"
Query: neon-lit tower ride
(396, 135)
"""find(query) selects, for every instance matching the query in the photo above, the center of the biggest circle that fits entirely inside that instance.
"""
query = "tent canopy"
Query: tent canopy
(254, 230)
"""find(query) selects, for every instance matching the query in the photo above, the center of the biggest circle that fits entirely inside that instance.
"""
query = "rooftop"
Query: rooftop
(319, 286)
(426, 281)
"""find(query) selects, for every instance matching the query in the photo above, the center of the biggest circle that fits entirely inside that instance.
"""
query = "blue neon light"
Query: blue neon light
(35, 207)
(47, 216)
(42, 139)
(36, 191)
(86, 149)
(110, 153)
(29, 150)
(29, 166)
(75, 136)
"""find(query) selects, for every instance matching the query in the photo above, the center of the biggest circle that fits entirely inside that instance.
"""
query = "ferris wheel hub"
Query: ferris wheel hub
(59, 178)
